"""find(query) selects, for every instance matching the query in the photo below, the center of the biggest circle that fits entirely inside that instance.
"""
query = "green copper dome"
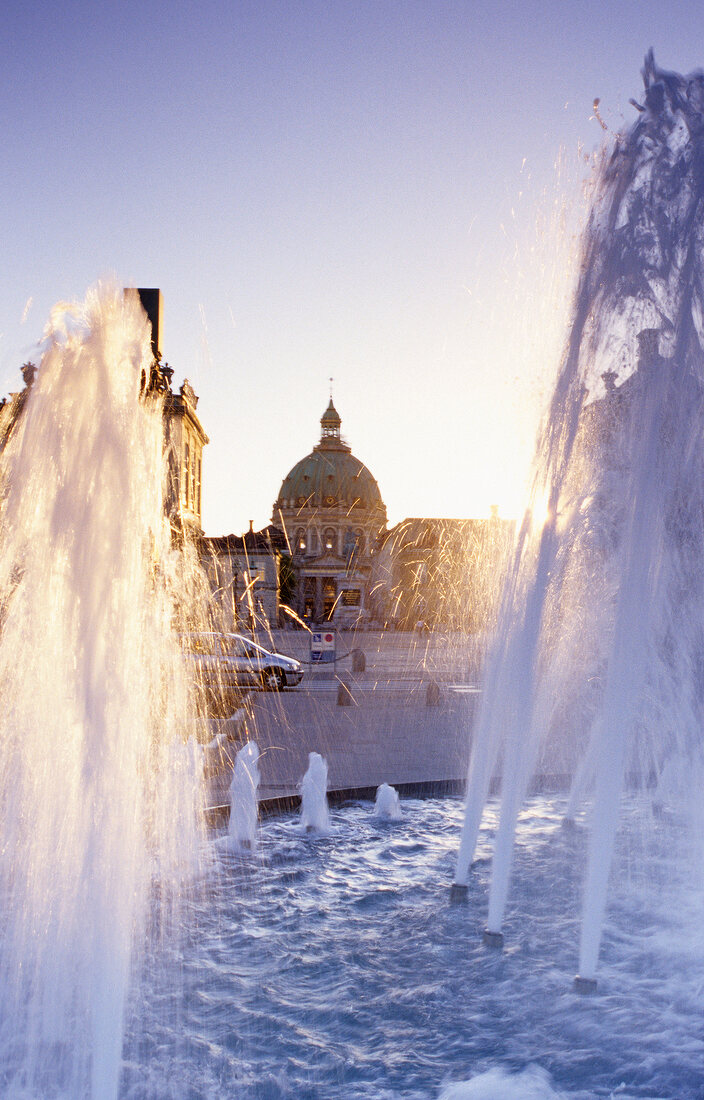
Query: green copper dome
(330, 475)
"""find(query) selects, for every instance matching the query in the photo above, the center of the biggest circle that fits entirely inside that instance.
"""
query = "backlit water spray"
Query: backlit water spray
(598, 671)
(98, 788)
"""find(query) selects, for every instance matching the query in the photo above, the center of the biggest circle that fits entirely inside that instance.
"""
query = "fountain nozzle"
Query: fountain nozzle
(493, 939)
(584, 986)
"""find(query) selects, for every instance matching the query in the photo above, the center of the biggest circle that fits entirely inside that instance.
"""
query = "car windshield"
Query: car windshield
(236, 646)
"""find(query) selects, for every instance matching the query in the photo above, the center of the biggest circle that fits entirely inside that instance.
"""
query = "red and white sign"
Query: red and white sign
(322, 646)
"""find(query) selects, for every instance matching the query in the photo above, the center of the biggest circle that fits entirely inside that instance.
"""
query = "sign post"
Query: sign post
(323, 648)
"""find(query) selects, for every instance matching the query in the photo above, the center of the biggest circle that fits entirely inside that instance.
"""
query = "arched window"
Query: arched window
(330, 539)
(301, 540)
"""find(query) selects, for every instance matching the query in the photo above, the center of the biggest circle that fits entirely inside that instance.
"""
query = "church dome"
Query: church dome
(330, 475)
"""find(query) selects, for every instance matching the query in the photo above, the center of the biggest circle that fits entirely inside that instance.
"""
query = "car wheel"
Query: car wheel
(273, 679)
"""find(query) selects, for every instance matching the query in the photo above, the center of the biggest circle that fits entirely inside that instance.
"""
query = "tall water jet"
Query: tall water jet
(97, 786)
(597, 671)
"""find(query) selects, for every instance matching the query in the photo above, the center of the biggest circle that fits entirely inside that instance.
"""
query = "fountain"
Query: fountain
(94, 764)
(133, 965)
(597, 672)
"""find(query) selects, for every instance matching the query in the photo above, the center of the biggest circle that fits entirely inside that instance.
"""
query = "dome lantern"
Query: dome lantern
(330, 423)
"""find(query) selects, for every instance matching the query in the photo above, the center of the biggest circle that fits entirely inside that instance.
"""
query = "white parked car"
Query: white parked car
(227, 664)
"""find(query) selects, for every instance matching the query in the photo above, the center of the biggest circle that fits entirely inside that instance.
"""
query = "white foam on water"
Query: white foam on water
(532, 1083)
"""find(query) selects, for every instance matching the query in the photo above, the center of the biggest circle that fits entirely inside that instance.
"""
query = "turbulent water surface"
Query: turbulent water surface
(334, 967)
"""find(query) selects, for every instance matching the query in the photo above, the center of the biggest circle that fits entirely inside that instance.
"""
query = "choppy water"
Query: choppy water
(334, 967)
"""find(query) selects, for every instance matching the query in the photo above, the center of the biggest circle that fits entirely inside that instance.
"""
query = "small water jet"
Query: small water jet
(597, 671)
(315, 817)
(387, 803)
(242, 829)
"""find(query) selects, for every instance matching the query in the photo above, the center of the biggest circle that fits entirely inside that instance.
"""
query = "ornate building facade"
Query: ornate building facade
(332, 514)
(441, 573)
(184, 437)
(244, 573)
(184, 441)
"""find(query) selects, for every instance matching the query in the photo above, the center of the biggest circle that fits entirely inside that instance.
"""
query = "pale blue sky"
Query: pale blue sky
(343, 189)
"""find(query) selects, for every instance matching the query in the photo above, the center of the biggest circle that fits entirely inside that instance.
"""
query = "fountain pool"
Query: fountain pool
(333, 967)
